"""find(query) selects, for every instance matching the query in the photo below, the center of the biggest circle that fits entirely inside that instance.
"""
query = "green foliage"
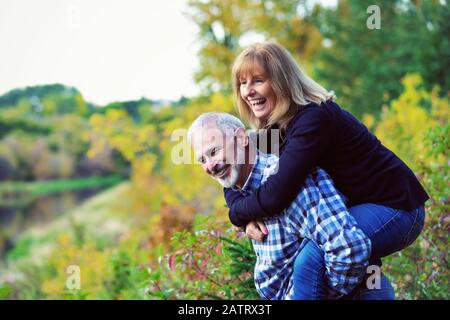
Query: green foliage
(9, 124)
(206, 263)
(422, 270)
(403, 125)
(225, 27)
(180, 245)
(416, 128)
(25, 192)
(242, 263)
(126, 277)
(21, 249)
(364, 66)
(44, 135)
(47, 99)
(166, 234)
(434, 59)
(5, 292)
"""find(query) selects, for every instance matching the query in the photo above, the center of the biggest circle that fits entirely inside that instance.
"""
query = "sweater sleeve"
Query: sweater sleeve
(308, 140)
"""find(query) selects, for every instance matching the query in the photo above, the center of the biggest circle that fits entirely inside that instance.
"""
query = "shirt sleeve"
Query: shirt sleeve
(346, 248)
(308, 140)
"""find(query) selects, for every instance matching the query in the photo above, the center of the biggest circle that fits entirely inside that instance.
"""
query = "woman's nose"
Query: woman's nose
(249, 91)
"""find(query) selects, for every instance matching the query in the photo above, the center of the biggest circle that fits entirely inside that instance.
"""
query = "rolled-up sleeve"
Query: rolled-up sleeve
(346, 248)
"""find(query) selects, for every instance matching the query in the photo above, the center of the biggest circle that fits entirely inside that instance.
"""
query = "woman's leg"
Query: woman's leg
(389, 230)
(384, 292)
(310, 282)
(309, 273)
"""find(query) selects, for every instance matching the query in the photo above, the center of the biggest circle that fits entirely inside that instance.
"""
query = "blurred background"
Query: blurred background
(91, 92)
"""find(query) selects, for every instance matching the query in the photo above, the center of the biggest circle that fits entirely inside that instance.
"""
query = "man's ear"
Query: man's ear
(241, 136)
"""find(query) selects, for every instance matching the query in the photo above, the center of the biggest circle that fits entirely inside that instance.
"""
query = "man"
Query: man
(317, 217)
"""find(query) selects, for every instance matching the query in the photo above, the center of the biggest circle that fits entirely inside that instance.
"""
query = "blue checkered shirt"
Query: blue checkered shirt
(319, 214)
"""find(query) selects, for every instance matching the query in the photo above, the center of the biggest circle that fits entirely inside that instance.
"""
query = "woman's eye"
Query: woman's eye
(213, 152)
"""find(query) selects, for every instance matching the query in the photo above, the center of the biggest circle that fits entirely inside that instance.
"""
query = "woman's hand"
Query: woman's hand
(256, 230)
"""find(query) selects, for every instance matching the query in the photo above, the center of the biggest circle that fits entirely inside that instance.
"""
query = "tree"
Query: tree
(225, 27)
(435, 56)
(364, 66)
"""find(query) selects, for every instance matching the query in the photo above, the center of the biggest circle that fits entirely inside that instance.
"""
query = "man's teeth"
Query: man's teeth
(221, 171)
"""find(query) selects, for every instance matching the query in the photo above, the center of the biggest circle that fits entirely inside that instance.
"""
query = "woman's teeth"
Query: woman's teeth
(258, 102)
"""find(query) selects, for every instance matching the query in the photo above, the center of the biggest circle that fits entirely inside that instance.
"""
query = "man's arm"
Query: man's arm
(309, 139)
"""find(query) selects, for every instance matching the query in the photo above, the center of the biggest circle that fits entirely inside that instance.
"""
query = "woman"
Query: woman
(382, 193)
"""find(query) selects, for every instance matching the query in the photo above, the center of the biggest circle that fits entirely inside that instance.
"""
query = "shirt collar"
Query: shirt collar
(245, 187)
(255, 177)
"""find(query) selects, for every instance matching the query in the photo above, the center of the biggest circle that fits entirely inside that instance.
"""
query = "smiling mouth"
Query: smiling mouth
(257, 102)
(221, 173)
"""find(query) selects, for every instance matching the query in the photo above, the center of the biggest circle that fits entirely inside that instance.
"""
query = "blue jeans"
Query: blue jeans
(389, 230)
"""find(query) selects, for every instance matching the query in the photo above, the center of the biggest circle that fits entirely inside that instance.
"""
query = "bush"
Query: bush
(207, 263)
(420, 136)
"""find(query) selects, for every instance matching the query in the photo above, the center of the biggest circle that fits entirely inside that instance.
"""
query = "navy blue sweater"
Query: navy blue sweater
(328, 136)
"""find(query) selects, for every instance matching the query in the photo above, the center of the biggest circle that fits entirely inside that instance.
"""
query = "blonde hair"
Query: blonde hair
(292, 87)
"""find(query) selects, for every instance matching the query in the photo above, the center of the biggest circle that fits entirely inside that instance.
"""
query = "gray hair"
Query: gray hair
(224, 121)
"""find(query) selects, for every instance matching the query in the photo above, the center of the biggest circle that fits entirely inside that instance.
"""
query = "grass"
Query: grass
(20, 193)
(97, 216)
(100, 222)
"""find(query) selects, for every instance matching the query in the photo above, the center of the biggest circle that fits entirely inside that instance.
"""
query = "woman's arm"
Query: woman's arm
(308, 141)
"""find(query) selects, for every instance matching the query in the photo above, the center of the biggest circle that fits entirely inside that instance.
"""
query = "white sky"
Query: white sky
(110, 50)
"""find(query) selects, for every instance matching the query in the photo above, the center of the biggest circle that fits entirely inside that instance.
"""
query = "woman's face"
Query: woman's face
(256, 90)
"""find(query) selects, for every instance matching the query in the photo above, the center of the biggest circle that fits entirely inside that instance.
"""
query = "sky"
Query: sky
(110, 50)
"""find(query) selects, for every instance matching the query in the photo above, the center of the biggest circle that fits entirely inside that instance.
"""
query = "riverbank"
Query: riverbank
(20, 193)
(98, 219)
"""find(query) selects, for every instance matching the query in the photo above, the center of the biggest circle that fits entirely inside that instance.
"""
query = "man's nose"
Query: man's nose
(209, 166)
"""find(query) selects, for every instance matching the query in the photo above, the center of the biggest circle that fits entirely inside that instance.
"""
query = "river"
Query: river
(42, 210)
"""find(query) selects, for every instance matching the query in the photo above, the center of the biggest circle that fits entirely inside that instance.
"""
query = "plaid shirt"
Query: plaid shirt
(317, 213)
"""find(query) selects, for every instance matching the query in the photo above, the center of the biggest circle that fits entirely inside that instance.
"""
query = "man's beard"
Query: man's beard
(235, 170)
(232, 177)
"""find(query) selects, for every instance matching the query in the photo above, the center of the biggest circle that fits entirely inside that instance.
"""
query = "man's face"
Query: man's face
(220, 154)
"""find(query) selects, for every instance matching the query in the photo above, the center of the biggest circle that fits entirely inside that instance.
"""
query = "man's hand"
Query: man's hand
(256, 230)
